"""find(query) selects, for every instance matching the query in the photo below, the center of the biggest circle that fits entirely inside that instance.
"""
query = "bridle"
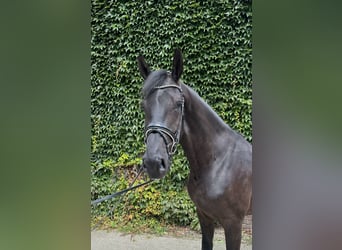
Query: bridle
(165, 131)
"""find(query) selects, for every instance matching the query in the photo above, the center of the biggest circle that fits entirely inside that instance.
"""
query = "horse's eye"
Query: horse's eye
(179, 104)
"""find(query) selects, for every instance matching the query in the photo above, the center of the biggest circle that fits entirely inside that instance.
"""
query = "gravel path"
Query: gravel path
(114, 240)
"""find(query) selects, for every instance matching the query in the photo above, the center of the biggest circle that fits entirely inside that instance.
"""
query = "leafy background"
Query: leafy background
(215, 38)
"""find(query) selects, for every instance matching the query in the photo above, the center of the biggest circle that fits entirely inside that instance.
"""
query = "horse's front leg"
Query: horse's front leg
(207, 228)
(233, 233)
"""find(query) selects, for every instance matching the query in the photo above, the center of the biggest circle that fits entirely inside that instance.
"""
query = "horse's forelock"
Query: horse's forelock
(155, 79)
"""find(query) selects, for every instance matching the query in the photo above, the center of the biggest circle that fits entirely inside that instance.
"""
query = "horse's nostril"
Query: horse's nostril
(154, 164)
(162, 164)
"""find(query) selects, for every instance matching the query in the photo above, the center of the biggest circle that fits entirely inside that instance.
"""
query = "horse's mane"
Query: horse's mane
(155, 79)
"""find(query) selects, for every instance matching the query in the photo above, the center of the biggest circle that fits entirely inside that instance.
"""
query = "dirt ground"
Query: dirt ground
(114, 240)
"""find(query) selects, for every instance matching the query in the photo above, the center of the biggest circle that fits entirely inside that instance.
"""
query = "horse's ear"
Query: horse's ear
(177, 68)
(143, 67)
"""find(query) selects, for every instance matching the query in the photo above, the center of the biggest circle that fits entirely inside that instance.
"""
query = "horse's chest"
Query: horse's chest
(209, 188)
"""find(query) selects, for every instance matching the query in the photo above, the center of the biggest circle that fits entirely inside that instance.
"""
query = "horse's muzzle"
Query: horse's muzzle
(155, 167)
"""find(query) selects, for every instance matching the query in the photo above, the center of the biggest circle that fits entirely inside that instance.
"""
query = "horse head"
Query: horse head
(163, 105)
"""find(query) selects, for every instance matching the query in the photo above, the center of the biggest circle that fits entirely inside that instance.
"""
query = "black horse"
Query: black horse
(220, 180)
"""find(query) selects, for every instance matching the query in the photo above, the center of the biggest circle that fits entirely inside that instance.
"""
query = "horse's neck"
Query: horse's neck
(203, 130)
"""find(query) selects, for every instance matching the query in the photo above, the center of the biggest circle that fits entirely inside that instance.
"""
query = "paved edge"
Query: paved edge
(109, 240)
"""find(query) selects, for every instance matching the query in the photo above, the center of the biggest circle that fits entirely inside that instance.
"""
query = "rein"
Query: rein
(165, 131)
(107, 197)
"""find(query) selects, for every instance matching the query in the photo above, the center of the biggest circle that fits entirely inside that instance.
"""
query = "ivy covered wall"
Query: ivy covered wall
(215, 38)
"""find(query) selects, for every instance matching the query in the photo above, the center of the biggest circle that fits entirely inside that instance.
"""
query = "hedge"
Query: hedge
(215, 38)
